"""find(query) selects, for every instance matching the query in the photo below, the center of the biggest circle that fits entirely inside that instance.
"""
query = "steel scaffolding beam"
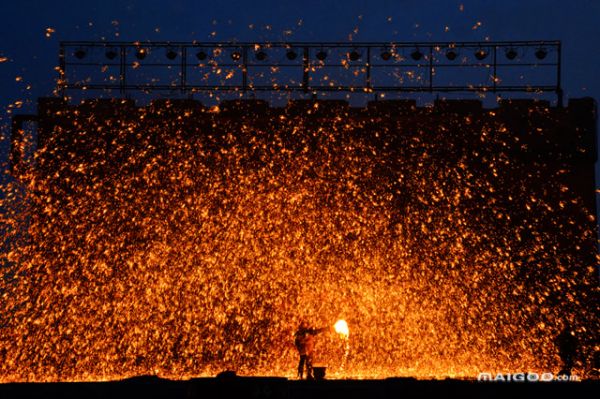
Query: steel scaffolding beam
(533, 66)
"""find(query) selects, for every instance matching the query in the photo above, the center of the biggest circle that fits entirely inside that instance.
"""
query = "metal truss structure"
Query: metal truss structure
(193, 67)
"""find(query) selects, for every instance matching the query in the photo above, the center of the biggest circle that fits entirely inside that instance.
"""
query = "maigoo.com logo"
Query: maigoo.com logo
(525, 377)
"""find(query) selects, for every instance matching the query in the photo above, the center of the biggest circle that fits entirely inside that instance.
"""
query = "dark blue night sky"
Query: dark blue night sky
(30, 56)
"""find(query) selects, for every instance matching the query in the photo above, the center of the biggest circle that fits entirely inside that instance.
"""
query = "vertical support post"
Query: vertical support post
(183, 73)
(306, 68)
(368, 69)
(494, 73)
(430, 69)
(559, 92)
(62, 64)
(122, 69)
(244, 69)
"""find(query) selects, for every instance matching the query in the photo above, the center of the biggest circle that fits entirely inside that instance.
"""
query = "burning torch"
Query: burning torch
(341, 328)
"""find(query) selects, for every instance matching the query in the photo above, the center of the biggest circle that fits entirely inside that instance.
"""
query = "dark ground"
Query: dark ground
(264, 387)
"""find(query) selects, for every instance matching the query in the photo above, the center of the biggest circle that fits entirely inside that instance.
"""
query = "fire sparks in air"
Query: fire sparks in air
(156, 241)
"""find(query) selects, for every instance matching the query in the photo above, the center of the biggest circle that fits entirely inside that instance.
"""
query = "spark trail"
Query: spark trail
(182, 243)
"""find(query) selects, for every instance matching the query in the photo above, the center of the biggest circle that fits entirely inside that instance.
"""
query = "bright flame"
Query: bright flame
(341, 327)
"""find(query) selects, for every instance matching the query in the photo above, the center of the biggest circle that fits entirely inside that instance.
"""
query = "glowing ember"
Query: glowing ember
(341, 327)
(186, 243)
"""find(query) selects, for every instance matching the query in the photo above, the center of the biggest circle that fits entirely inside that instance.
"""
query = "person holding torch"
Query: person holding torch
(305, 344)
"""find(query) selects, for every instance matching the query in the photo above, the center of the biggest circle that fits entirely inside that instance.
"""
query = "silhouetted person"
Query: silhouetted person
(595, 373)
(305, 343)
(567, 348)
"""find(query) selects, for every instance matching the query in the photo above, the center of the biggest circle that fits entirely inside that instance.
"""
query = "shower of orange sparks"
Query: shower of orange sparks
(177, 248)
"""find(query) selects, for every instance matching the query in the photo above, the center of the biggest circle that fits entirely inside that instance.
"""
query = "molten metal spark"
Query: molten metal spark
(341, 327)
(154, 241)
